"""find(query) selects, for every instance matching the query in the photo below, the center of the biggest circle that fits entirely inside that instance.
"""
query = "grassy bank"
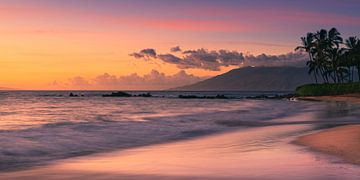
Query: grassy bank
(327, 89)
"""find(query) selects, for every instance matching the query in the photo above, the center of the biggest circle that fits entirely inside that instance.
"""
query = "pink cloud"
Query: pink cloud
(154, 80)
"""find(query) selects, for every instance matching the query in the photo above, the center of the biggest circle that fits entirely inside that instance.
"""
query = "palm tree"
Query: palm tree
(336, 54)
(307, 45)
(313, 69)
(336, 69)
(325, 42)
(334, 38)
(321, 44)
(353, 46)
(329, 58)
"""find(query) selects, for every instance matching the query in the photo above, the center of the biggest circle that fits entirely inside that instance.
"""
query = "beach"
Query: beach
(343, 141)
(253, 153)
(350, 98)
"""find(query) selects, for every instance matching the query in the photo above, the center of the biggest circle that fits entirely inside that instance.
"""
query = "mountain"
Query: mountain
(254, 79)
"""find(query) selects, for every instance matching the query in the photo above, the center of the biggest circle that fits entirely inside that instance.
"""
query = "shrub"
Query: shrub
(327, 89)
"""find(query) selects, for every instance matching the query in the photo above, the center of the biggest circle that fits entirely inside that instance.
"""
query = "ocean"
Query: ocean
(37, 127)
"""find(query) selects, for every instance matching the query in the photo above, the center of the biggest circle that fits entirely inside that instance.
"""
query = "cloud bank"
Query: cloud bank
(213, 60)
(155, 80)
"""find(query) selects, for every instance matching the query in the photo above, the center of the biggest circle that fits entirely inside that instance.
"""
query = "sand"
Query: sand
(250, 153)
(351, 98)
(341, 141)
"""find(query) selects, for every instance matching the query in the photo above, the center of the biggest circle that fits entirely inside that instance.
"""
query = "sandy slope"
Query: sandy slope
(341, 141)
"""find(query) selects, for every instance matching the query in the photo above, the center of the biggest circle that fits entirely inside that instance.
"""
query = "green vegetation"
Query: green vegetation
(331, 61)
(330, 58)
(328, 89)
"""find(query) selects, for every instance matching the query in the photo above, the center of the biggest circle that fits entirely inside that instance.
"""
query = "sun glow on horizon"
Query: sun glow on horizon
(42, 42)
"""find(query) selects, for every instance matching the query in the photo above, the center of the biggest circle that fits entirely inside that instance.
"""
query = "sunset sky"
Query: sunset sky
(97, 44)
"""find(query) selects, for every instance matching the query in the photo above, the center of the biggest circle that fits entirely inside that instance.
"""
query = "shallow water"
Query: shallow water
(253, 153)
(39, 127)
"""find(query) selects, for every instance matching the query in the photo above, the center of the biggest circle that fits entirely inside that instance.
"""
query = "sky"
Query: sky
(154, 44)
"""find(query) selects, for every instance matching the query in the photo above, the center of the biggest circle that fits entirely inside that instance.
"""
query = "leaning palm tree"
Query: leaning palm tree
(307, 45)
(313, 69)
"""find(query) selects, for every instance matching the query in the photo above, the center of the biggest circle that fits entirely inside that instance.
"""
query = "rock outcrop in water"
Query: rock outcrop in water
(73, 95)
(219, 96)
(117, 94)
(125, 94)
(144, 95)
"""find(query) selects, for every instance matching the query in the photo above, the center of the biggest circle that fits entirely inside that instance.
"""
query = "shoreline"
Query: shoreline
(350, 98)
(342, 141)
(245, 154)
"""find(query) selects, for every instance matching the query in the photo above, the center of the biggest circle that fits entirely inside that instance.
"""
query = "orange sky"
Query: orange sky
(46, 41)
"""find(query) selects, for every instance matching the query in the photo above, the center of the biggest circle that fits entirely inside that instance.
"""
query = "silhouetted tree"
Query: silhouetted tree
(307, 46)
(329, 57)
(353, 55)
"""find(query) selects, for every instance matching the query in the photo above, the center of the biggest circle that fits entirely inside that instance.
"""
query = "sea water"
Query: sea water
(38, 127)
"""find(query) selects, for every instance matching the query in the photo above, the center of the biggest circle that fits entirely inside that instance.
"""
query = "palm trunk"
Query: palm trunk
(323, 75)
(358, 69)
(333, 77)
(352, 74)
(315, 71)
(315, 74)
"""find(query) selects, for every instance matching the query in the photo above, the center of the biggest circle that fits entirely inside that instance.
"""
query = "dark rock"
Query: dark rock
(219, 96)
(117, 94)
(73, 95)
(145, 95)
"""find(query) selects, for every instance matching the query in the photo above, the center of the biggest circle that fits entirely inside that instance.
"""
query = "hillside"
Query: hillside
(254, 79)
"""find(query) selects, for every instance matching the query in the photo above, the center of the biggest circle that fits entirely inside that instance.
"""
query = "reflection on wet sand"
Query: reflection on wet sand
(255, 153)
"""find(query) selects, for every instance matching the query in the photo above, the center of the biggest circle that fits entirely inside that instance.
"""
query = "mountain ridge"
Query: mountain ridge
(285, 78)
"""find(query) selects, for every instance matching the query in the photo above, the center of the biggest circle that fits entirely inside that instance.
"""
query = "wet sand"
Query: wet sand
(351, 98)
(341, 141)
(250, 153)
